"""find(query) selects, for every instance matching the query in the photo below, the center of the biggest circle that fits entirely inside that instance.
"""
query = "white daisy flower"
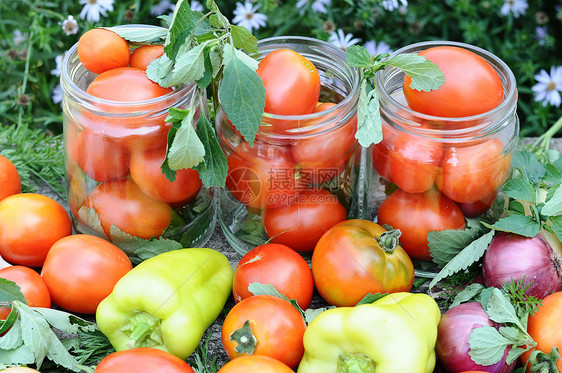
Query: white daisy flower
(391, 5)
(57, 70)
(93, 8)
(196, 5)
(517, 7)
(161, 8)
(245, 15)
(19, 37)
(548, 88)
(375, 48)
(69, 25)
(318, 6)
(56, 94)
(342, 40)
(540, 34)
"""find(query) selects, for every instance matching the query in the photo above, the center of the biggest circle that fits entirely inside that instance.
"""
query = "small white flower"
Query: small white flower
(19, 37)
(318, 6)
(342, 40)
(93, 8)
(245, 15)
(161, 8)
(391, 5)
(375, 48)
(548, 88)
(57, 70)
(56, 94)
(540, 34)
(69, 25)
(517, 7)
(196, 5)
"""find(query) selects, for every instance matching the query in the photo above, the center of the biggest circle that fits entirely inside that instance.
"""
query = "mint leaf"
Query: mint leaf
(21, 355)
(189, 67)
(520, 189)
(186, 150)
(12, 339)
(553, 206)
(358, 56)
(370, 298)
(183, 26)
(529, 166)
(552, 175)
(242, 38)
(140, 33)
(311, 313)
(369, 125)
(469, 293)
(500, 309)
(9, 291)
(159, 70)
(425, 74)
(469, 255)
(213, 169)
(445, 245)
(34, 330)
(65, 321)
(487, 345)
(556, 226)
(518, 224)
(141, 248)
(242, 95)
(257, 288)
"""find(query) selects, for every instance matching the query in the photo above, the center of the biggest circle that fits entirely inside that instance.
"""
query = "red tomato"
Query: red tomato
(277, 326)
(380, 153)
(146, 173)
(472, 86)
(255, 363)
(29, 225)
(278, 265)
(417, 214)
(31, 284)
(100, 157)
(10, 182)
(142, 360)
(301, 224)
(125, 84)
(262, 176)
(349, 262)
(144, 55)
(472, 173)
(100, 50)
(477, 208)
(81, 270)
(123, 204)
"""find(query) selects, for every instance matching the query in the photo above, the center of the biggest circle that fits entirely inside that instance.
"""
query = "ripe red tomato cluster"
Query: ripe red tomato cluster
(113, 158)
(440, 183)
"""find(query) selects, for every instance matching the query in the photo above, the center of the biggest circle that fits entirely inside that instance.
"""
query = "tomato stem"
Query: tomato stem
(245, 339)
(389, 240)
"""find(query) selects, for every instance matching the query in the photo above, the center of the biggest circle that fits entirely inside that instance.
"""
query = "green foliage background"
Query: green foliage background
(26, 84)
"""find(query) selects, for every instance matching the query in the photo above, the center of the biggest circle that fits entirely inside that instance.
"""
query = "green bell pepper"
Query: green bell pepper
(167, 301)
(394, 334)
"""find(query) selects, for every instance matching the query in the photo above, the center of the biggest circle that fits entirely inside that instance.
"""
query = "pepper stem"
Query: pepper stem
(389, 240)
(143, 330)
(355, 363)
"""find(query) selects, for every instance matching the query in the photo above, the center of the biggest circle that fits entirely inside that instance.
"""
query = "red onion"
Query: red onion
(511, 256)
(453, 335)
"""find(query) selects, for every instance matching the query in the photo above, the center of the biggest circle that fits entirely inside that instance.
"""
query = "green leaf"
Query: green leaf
(487, 345)
(246, 60)
(9, 291)
(557, 226)
(425, 74)
(553, 205)
(469, 255)
(12, 339)
(311, 313)
(64, 321)
(242, 95)
(500, 309)
(445, 245)
(245, 339)
(139, 247)
(257, 288)
(89, 222)
(514, 354)
(369, 125)
(213, 169)
(370, 298)
(518, 224)
(529, 166)
(35, 331)
(189, 67)
(21, 355)
(520, 189)
(159, 69)
(207, 77)
(140, 33)
(187, 150)
(469, 293)
(183, 26)
(242, 38)
(58, 353)
(552, 175)
(358, 56)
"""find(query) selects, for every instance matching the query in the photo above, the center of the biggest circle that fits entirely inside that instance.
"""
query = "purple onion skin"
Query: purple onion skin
(511, 256)
(453, 335)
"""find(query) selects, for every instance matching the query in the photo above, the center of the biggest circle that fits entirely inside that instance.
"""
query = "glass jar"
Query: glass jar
(113, 153)
(433, 172)
(304, 172)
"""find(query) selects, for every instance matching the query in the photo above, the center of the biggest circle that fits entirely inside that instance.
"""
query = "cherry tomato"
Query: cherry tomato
(544, 327)
(142, 360)
(349, 262)
(278, 265)
(10, 182)
(144, 55)
(262, 176)
(301, 224)
(472, 86)
(472, 173)
(81, 270)
(125, 84)
(31, 284)
(146, 173)
(29, 225)
(255, 363)
(417, 214)
(277, 326)
(123, 204)
(100, 50)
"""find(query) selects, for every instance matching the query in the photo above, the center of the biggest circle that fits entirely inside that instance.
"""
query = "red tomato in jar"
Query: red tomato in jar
(144, 55)
(472, 86)
(472, 173)
(417, 214)
(81, 270)
(123, 204)
(255, 363)
(380, 152)
(349, 262)
(10, 182)
(29, 225)
(301, 224)
(101, 50)
(142, 360)
(146, 173)
(278, 265)
(263, 176)
(31, 285)
(125, 84)
(276, 325)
